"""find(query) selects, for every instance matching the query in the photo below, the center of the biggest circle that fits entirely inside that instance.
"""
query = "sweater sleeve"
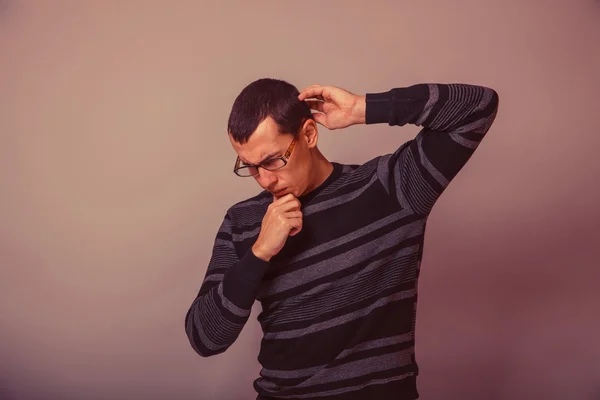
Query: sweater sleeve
(454, 117)
(223, 305)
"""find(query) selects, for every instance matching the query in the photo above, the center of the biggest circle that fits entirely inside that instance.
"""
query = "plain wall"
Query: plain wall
(116, 171)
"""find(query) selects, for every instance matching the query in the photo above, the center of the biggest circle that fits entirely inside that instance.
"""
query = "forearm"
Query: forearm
(217, 316)
(455, 119)
(439, 107)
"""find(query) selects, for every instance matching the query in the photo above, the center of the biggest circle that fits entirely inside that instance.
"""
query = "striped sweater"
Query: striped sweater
(339, 301)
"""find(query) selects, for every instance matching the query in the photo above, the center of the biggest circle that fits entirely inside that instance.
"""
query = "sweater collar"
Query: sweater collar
(333, 176)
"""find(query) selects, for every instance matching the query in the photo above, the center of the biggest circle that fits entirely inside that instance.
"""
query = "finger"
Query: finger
(296, 225)
(302, 96)
(310, 87)
(317, 98)
(315, 105)
(321, 119)
(293, 214)
(289, 206)
(311, 92)
(287, 203)
(282, 199)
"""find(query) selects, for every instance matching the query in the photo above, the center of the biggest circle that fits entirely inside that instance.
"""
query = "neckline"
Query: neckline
(333, 176)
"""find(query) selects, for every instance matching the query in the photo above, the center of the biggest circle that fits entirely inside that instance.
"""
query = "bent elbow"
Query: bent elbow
(200, 343)
(202, 349)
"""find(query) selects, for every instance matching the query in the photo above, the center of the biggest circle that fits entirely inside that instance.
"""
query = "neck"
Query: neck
(321, 169)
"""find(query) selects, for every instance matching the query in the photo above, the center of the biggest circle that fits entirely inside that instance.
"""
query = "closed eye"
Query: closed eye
(270, 161)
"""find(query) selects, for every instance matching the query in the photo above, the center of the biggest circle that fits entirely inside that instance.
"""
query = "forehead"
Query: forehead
(265, 140)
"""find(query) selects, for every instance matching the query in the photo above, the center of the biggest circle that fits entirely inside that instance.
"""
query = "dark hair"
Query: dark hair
(264, 98)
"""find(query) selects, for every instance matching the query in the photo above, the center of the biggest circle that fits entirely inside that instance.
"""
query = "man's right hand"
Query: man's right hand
(283, 219)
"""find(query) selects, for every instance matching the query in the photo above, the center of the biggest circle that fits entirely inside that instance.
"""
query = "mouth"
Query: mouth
(280, 193)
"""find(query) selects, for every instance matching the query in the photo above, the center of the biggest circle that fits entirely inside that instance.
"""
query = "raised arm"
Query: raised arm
(223, 305)
(454, 117)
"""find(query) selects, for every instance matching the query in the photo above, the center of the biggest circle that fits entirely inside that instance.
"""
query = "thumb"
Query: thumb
(321, 119)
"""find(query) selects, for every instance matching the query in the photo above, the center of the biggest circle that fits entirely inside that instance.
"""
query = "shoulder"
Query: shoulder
(249, 211)
(352, 177)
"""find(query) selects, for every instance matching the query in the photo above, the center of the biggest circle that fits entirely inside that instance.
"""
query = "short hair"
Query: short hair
(267, 97)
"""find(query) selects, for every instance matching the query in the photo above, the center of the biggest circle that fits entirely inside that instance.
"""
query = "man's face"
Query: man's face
(265, 143)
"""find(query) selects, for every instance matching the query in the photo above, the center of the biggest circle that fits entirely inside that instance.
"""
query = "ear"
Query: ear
(311, 133)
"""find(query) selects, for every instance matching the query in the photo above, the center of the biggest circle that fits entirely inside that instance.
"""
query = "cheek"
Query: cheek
(296, 177)
(286, 178)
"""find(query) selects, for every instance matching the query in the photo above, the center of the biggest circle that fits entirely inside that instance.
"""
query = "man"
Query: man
(332, 251)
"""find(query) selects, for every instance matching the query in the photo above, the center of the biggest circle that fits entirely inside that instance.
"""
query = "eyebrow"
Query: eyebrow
(272, 155)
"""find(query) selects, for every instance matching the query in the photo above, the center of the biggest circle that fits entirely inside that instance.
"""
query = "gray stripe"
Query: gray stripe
(351, 236)
(374, 344)
(215, 277)
(305, 372)
(445, 114)
(471, 144)
(292, 374)
(351, 369)
(416, 189)
(460, 104)
(230, 306)
(341, 319)
(486, 99)
(209, 344)
(349, 388)
(349, 176)
(399, 170)
(347, 292)
(222, 257)
(429, 166)
(472, 127)
(357, 368)
(434, 96)
(225, 243)
(276, 308)
(347, 168)
(488, 122)
(252, 202)
(219, 328)
(343, 260)
(468, 97)
(324, 205)
(384, 172)
(244, 235)
(249, 216)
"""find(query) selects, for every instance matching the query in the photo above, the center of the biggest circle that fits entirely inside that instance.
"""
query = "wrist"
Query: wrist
(259, 253)
(359, 110)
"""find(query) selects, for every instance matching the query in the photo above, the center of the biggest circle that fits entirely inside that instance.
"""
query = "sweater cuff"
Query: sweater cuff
(250, 269)
(378, 107)
(397, 106)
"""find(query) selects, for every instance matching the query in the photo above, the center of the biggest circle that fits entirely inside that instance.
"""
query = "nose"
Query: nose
(265, 178)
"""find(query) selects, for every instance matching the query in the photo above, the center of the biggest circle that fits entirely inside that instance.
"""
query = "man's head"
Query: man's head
(265, 119)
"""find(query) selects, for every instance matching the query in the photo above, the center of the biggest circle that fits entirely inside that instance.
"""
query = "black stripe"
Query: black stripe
(339, 274)
(313, 349)
(350, 308)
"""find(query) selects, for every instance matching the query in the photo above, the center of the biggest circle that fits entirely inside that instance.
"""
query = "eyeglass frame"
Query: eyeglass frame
(285, 157)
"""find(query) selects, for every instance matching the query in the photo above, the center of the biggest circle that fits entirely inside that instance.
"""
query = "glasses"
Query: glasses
(271, 164)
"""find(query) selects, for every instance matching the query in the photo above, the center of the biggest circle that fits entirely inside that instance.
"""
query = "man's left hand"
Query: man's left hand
(337, 108)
